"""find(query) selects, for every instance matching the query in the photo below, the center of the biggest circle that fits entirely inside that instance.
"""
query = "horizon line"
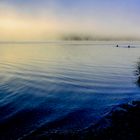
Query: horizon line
(54, 41)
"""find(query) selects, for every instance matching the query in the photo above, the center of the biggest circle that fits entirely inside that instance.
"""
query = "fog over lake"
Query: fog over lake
(35, 20)
(69, 69)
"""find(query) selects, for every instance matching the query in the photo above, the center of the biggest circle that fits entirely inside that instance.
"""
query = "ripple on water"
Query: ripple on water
(63, 88)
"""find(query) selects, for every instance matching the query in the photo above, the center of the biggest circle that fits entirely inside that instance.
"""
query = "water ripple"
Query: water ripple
(62, 87)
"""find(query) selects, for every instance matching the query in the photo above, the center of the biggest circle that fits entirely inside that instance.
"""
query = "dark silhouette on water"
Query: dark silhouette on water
(127, 46)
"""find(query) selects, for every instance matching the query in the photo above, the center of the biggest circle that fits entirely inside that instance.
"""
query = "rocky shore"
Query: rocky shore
(122, 123)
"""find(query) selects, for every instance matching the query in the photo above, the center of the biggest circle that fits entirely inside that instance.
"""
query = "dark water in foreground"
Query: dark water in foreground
(63, 87)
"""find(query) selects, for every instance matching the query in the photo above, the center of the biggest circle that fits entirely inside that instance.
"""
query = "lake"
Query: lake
(63, 86)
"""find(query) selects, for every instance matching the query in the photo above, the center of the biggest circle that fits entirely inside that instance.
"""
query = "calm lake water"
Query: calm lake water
(63, 86)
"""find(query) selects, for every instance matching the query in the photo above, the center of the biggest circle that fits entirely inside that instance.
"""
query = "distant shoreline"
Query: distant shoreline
(60, 41)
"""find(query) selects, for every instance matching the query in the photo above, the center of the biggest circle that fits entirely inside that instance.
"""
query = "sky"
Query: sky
(41, 20)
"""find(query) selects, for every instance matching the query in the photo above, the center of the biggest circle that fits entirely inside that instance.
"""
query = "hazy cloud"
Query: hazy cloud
(51, 19)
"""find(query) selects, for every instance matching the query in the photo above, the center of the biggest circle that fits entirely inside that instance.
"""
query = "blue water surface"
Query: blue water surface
(63, 86)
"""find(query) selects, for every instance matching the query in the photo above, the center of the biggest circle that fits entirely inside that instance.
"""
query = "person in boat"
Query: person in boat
(128, 46)
(117, 46)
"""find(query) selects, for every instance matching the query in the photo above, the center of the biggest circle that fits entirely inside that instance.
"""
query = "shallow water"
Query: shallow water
(63, 86)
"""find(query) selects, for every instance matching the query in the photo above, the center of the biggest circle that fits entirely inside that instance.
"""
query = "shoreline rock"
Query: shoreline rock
(122, 123)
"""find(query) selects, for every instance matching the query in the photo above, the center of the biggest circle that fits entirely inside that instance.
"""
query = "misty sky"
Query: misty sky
(52, 19)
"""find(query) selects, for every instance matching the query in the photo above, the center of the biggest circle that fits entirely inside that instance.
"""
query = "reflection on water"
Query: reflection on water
(62, 87)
